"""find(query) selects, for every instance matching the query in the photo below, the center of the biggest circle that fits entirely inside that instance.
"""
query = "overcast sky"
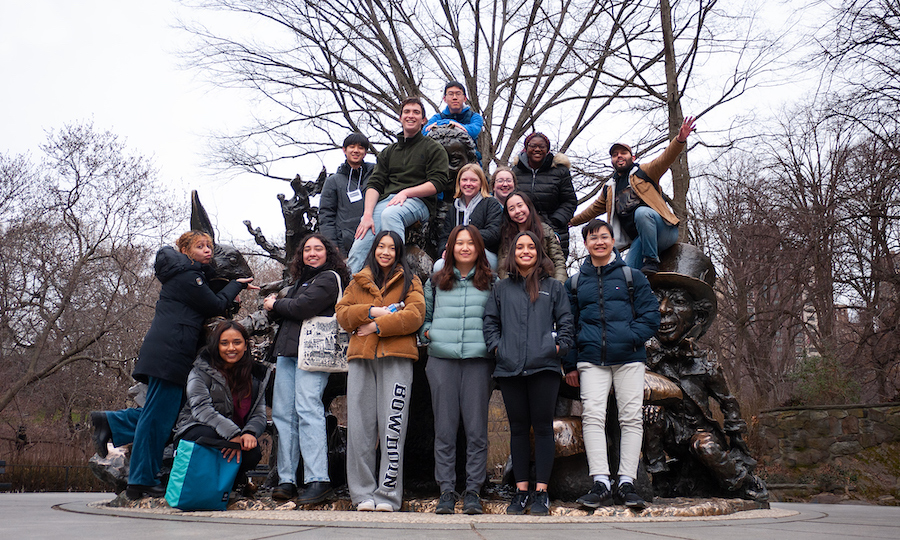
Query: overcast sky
(114, 62)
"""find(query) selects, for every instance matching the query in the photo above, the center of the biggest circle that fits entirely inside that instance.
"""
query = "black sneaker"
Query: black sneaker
(284, 491)
(650, 267)
(598, 496)
(625, 494)
(137, 491)
(540, 504)
(519, 503)
(472, 503)
(447, 503)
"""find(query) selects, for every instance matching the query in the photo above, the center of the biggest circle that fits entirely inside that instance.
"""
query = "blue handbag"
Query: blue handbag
(201, 477)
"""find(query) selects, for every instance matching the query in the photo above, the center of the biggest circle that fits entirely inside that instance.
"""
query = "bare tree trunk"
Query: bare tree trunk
(681, 176)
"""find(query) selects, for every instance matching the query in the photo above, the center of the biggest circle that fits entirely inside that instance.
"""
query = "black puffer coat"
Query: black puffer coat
(551, 190)
(185, 300)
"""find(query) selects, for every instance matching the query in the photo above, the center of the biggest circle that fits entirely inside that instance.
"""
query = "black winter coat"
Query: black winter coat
(487, 217)
(315, 297)
(185, 301)
(518, 331)
(338, 217)
(606, 332)
(551, 190)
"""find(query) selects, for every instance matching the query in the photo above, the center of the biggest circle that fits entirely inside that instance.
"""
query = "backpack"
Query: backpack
(629, 281)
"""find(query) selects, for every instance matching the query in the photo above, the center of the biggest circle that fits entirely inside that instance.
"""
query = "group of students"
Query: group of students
(499, 306)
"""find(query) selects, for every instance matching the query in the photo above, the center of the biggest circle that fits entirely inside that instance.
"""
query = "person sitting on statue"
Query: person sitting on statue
(687, 304)
(520, 216)
(634, 205)
(319, 275)
(341, 204)
(614, 316)
(474, 206)
(457, 113)
(528, 328)
(503, 182)
(545, 177)
(402, 188)
(165, 359)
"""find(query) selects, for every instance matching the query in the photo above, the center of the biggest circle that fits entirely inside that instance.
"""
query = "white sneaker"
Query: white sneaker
(384, 507)
(366, 506)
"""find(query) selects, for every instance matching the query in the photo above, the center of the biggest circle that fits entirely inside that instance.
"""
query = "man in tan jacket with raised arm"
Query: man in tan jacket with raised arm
(634, 206)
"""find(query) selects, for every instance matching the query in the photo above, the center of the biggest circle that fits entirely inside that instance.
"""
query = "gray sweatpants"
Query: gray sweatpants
(460, 389)
(378, 393)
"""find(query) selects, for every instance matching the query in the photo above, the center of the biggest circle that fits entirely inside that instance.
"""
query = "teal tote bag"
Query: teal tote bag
(201, 478)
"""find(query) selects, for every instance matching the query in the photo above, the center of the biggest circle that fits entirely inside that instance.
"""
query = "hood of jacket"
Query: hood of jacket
(169, 263)
(551, 160)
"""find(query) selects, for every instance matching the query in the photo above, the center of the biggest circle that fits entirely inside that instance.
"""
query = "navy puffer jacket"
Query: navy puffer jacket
(606, 332)
(185, 301)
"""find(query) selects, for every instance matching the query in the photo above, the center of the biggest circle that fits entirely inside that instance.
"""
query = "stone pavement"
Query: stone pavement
(72, 515)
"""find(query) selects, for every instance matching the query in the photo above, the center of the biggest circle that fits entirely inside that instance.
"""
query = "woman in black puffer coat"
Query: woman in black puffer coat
(166, 357)
(545, 177)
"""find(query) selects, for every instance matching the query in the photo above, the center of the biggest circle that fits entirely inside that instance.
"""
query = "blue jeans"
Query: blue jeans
(654, 235)
(149, 428)
(392, 218)
(299, 417)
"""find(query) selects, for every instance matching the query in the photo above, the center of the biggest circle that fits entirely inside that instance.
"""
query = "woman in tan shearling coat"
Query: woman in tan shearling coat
(383, 307)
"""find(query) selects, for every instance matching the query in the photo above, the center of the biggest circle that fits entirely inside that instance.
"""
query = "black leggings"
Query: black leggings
(249, 458)
(530, 403)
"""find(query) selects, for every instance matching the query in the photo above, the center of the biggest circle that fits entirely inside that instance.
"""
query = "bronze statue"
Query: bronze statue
(686, 450)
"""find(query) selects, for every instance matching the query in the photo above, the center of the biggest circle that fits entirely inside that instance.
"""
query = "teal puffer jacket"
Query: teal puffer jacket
(454, 319)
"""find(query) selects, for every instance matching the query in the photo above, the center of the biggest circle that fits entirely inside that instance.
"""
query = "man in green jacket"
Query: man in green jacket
(401, 191)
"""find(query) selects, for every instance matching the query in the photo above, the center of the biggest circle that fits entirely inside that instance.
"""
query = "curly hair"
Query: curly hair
(447, 134)
(187, 240)
(333, 261)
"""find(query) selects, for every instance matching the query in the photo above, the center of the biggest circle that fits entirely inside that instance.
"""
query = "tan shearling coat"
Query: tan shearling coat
(647, 191)
(396, 336)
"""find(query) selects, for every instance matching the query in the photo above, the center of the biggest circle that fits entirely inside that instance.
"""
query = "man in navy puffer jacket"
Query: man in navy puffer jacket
(612, 322)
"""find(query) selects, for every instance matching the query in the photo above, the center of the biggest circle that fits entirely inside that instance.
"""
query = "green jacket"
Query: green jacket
(409, 163)
(456, 332)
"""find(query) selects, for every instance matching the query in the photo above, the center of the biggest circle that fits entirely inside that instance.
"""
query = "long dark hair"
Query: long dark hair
(238, 376)
(543, 266)
(333, 261)
(445, 279)
(380, 276)
(510, 229)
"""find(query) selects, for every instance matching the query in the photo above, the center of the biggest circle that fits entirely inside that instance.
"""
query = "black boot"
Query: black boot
(136, 491)
(102, 432)
(315, 492)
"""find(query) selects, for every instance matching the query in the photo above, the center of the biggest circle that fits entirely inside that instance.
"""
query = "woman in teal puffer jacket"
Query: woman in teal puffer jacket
(459, 368)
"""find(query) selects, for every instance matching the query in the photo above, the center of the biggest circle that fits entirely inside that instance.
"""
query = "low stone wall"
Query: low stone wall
(802, 437)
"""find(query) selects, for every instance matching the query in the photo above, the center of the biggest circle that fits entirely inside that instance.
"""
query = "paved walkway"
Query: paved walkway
(71, 515)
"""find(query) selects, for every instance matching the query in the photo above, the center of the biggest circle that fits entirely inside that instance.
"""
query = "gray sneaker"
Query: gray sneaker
(447, 503)
(472, 503)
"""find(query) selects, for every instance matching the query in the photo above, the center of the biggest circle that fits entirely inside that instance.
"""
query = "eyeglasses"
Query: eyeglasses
(535, 146)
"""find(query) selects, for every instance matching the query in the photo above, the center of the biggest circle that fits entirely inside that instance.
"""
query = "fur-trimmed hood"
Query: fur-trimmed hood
(555, 160)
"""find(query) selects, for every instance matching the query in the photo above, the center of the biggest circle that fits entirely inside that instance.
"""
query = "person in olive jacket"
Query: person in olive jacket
(165, 359)
(226, 397)
(528, 327)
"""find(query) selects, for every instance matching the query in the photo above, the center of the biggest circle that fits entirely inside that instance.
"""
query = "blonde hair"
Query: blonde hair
(479, 172)
(187, 240)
